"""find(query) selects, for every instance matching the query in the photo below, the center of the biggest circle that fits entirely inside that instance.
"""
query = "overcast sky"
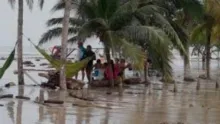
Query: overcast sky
(34, 22)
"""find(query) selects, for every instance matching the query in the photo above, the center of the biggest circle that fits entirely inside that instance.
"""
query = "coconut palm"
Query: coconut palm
(210, 28)
(186, 15)
(20, 33)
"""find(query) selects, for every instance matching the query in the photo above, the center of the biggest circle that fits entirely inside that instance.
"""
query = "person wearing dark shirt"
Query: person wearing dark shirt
(89, 53)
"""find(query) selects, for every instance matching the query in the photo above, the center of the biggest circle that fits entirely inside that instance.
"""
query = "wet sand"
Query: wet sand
(136, 106)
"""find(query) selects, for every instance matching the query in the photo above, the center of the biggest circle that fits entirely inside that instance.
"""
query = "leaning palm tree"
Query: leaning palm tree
(20, 33)
(186, 14)
(210, 28)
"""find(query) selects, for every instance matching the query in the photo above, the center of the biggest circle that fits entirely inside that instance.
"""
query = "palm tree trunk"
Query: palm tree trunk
(64, 43)
(19, 106)
(108, 57)
(19, 41)
(208, 54)
(187, 71)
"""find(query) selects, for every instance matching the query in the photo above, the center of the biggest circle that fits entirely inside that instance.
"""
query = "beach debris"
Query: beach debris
(15, 72)
(3, 58)
(132, 81)
(189, 79)
(54, 78)
(6, 96)
(190, 105)
(203, 76)
(216, 84)
(37, 59)
(198, 84)
(28, 63)
(79, 105)
(10, 84)
(137, 93)
(23, 97)
(81, 98)
(174, 87)
(44, 64)
(54, 101)
(43, 75)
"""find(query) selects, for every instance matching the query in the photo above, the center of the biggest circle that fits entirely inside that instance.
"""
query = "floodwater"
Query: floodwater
(137, 105)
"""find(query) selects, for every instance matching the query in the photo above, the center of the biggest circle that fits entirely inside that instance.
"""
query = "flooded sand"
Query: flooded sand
(136, 106)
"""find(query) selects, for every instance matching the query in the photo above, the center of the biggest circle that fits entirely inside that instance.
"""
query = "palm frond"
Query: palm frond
(73, 39)
(54, 33)
(92, 27)
(168, 26)
(131, 52)
(212, 8)
(198, 33)
(12, 3)
(215, 32)
(58, 21)
(30, 4)
(7, 63)
(60, 5)
(41, 3)
(129, 6)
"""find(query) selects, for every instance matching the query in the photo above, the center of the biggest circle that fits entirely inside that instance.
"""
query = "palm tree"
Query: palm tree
(210, 27)
(64, 43)
(123, 24)
(187, 14)
(20, 33)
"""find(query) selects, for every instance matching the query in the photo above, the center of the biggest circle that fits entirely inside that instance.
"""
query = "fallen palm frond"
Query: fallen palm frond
(7, 63)
(71, 68)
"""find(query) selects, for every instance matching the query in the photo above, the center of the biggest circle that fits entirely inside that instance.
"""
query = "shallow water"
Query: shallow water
(136, 106)
(187, 106)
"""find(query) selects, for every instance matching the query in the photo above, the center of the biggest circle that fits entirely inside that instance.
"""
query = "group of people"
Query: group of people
(98, 71)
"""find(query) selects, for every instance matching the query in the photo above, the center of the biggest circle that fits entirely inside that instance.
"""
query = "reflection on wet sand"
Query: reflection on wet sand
(19, 106)
(187, 106)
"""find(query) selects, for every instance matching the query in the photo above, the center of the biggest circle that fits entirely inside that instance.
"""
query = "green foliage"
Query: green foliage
(7, 63)
(71, 68)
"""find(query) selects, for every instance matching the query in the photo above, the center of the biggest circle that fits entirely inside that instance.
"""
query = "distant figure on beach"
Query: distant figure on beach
(56, 52)
(80, 56)
(89, 67)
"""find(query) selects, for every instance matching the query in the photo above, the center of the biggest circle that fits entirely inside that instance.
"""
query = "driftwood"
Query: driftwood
(132, 81)
(54, 78)
(23, 97)
(53, 101)
(81, 98)
(43, 75)
(6, 96)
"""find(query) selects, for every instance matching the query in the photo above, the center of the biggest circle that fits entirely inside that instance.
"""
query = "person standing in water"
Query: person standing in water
(89, 67)
(81, 55)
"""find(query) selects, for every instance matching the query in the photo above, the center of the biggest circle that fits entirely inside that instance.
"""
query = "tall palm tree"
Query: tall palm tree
(64, 42)
(210, 27)
(20, 33)
(186, 14)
